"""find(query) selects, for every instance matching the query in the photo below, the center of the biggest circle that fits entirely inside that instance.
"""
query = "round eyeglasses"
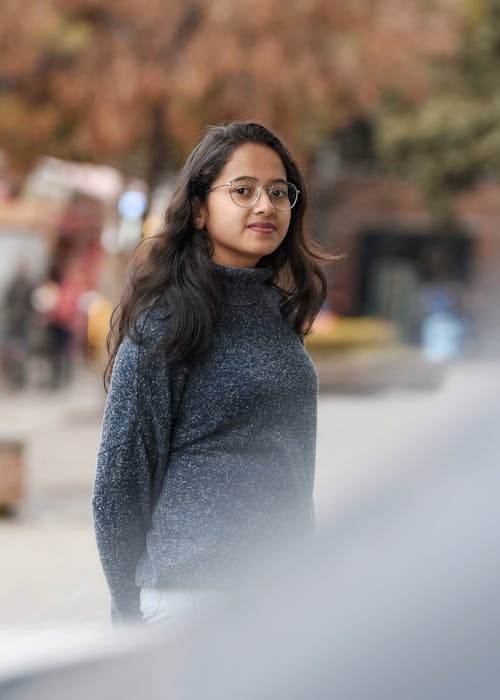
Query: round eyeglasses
(245, 191)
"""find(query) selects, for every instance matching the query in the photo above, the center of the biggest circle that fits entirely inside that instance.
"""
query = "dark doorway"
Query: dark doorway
(395, 266)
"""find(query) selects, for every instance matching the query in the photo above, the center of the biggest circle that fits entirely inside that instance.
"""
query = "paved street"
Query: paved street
(50, 571)
(365, 441)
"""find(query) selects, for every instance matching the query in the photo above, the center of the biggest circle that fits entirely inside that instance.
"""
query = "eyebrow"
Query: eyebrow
(251, 177)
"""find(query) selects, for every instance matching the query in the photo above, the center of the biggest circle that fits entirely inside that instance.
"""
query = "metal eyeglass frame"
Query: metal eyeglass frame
(258, 192)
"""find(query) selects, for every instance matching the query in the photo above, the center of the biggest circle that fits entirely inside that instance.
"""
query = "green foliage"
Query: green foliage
(451, 138)
(66, 37)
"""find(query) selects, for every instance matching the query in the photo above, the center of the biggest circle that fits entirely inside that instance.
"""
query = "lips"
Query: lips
(262, 227)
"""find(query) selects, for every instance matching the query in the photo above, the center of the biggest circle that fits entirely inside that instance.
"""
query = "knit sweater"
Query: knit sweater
(195, 465)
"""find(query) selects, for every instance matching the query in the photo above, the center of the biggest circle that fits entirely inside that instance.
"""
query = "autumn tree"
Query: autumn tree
(132, 84)
(308, 68)
(97, 82)
(452, 138)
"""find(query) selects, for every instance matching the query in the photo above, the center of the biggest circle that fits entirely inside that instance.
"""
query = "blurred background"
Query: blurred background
(393, 111)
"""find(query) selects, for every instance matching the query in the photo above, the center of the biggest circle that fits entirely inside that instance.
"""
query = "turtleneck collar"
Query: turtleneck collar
(242, 285)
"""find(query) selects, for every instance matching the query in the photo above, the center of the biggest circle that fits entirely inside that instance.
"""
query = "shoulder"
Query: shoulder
(153, 324)
(274, 296)
(275, 300)
(144, 337)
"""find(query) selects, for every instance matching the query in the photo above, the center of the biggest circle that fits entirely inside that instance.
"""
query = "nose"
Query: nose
(263, 204)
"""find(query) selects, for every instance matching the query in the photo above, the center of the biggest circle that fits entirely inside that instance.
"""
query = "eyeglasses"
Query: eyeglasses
(245, 191)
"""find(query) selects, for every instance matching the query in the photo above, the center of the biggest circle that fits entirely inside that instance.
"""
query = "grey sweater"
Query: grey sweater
(195, 466)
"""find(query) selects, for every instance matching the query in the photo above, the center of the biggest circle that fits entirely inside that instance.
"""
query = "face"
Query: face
(241, 236)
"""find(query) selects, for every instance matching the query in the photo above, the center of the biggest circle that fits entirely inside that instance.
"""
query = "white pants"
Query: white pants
(175, 604)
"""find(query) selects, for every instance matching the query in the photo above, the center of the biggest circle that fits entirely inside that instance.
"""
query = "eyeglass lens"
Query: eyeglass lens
(283, 195)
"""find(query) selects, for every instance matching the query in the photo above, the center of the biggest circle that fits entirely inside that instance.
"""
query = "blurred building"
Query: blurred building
(58, 218)
(53, 228)
(398, 260)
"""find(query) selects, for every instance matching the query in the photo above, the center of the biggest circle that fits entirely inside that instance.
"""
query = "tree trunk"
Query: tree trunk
(158, 147)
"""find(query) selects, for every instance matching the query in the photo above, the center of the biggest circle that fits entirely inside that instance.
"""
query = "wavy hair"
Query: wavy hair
(175, 266)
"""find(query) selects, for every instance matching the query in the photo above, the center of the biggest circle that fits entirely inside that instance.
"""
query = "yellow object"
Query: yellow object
(99, 315)
(337, 333)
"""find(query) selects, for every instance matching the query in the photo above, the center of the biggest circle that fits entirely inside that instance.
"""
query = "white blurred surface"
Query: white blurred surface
(50, 572)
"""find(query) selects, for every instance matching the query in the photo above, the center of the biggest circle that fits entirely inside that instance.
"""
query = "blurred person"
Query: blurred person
(59, 338)
(18, 319)
(43, 298)
(442, 329)
(57, 301)
(208, 439)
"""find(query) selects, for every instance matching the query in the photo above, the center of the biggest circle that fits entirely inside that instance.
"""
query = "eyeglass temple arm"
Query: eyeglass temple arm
(217, 187)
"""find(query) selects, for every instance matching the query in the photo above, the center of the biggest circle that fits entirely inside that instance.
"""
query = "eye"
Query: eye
(242, 191)
(279, 192)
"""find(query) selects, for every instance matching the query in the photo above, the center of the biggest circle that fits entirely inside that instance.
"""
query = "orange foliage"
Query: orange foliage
(108, 69)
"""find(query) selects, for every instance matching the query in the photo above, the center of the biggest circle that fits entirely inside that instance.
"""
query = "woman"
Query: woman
(208, 435)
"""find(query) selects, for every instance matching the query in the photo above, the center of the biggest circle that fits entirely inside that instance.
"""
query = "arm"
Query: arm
(132, 458)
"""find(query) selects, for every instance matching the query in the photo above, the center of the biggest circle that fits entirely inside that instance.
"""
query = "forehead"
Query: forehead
(254, 160)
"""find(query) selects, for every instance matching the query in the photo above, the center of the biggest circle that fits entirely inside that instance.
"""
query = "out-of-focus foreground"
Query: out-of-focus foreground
(367, 445)
(397, 598)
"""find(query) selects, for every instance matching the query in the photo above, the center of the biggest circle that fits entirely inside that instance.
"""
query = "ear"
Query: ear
(199, 214)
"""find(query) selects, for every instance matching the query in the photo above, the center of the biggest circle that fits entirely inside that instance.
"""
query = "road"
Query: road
(50, 571)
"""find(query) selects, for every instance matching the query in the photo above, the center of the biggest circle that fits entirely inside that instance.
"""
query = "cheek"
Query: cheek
(224, 223)
(225, 214)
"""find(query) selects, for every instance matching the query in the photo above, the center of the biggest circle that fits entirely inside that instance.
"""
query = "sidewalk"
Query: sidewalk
(49, 561)
(370, 370)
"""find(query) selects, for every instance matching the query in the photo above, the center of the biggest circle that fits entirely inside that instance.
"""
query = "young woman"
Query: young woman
(208, 437)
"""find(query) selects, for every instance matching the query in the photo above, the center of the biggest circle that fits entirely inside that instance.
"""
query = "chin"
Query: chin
(266, 249)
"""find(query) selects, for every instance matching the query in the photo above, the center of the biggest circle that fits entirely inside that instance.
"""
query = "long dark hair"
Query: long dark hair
(175, 265)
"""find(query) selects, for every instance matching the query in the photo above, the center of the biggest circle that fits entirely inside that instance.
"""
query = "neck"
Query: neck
(242, 285)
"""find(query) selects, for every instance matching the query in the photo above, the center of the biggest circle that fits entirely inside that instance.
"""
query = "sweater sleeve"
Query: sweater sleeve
(132, 458)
